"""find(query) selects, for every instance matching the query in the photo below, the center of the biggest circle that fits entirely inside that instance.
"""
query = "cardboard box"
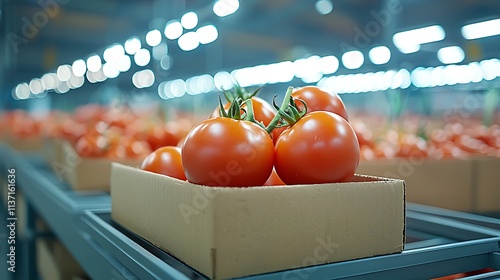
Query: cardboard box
(53, 150)
(85, 173)
(233, 232)
(468, 185)
(440, 183)
(55, 262)
(487, 184)
(31, 144)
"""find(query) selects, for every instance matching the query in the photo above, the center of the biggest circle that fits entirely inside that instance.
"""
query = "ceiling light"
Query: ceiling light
(380, 55)
(165, 62)
(123, 64)
(50, 81)
(64, 72)
(207, 34)
(76, 82)
(99, 76)
(409, 49)
(324, 6)
(142, 57)
(490, 68)
(205, 83)
(36, 86)
(449, 55)
(22, 91)
(419, 36)
(132, 45)
(178, 88)
(94, 63)
(146, 78)
(189, 20)
(62, 88)
(173, 30)
(79, 68)
(161, 90)
(110, 70)
(90, 77)
(353, 59)
(223, 80)
(160, 51)
(192, 86)
(113, 53)
(481, 29)
(329, 64)
(224, 8)
(153, 38)
(188, 41)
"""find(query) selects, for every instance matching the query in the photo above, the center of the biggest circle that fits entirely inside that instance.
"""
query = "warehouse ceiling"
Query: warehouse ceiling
(39, 35)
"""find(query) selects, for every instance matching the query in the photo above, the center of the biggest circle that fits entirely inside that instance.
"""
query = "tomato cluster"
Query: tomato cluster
(437, 140)
(251, 143)
(110, 142)
(20, 124)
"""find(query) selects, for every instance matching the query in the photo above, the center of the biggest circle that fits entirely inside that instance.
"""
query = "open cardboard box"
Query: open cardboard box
(486, 172)
(53, 150)
(84, 173)
(27, 144)
(469, 185)
(233, 232)
(440, 183)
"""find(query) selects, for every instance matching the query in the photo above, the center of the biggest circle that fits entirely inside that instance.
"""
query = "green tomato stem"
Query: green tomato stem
(249, 114)
(222, 111)
(286, 103)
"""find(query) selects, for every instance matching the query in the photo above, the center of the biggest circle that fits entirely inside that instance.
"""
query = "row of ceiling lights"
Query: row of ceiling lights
(117, 58)
(284, 72)
(71, 77)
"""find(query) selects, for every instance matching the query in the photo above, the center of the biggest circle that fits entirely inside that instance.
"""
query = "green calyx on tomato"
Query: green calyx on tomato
(239, 112)
(288, 112)
(239, 92)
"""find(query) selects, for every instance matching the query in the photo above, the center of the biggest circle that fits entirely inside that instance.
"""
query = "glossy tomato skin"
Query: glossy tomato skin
(318, 99)
(320, 148)
(165, 160)
(227, 152)
(263, 111)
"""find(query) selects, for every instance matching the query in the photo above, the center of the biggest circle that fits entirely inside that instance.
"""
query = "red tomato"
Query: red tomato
(136, 149)
(449, 150)
(116, 151)
(320, 148)
(227, 152)
(167, 161)
(159, 136)
(263, 111)
(275, 134)
(91, 146)
(318, 99)
(411, 146)
(274, 180)
(89, 113)
(385, 150)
